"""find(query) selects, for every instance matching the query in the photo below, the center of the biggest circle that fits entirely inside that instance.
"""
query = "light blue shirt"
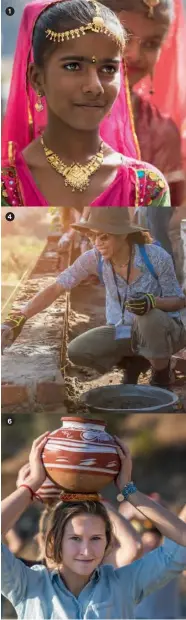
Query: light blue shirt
(111, 593)
(166, 286)
(161, 605)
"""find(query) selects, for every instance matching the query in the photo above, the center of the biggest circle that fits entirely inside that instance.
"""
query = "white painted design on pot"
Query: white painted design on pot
(93, 435)
(83, 425)
(49, 489)
(88, 462)
(59, 443)
(112, 464)
(77, 451)
(76, 467)
(82, 448)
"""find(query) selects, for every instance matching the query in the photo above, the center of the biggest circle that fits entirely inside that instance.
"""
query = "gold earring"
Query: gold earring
(38, 105)
(151, 89)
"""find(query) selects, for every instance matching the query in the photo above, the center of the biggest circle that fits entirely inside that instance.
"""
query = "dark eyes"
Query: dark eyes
(78, 538)
(153, 44)
(71, 66)
(77, 66)
(109, 69)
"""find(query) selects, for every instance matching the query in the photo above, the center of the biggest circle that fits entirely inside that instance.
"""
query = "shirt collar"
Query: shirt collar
(55, 573)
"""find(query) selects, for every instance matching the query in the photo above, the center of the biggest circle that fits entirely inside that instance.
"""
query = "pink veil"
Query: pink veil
(169, 77)
(22, 123)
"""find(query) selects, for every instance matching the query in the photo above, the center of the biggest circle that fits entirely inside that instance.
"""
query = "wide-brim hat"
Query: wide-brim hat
(111, 220)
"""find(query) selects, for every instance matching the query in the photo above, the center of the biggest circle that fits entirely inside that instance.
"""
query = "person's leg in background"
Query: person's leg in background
(158, 223)
(177, 241)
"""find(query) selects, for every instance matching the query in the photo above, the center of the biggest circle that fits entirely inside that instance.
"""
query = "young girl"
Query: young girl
(78, 539)
(71, 163)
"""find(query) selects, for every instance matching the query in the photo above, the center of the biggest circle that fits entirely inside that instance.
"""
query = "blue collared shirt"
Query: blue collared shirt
(166, 286)
(111, 593)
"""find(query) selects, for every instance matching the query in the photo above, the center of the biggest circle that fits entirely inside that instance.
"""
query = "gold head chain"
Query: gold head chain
(97, 25)
(76, 175)
(151, 4)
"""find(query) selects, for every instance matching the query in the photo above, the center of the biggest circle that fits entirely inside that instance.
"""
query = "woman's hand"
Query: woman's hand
(141, 305)
(7, 337)
(37, 471)
(65, 241)
(125, 473)
(23, 474)
(11, 329)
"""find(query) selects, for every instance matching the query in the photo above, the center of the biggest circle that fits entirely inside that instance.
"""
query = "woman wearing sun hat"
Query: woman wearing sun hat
(143, 299)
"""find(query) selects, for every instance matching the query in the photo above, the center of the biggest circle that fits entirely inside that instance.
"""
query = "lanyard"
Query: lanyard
(122, 302)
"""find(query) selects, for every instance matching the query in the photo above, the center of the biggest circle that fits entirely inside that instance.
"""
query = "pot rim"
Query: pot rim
(84, 420)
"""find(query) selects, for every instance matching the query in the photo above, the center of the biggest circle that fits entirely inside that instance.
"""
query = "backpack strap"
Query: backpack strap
(147, 261)
(100, 269)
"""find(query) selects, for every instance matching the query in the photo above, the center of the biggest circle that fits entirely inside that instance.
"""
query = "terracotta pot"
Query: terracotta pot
(81, 456)
(49, 492)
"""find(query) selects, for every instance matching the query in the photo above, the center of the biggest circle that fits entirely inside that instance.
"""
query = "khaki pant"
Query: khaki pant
(155, 336)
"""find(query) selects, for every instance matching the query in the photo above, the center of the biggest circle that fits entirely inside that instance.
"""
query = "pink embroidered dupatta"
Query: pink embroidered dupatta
(21, 188)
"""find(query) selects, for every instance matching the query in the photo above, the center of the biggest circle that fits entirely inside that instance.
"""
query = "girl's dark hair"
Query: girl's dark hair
(60, 516)
(139, 238)
(163, 12)
(67, 15)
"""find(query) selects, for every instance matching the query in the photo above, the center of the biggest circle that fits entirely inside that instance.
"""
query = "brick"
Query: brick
(50, 393)
(14, 394)
(180, 363)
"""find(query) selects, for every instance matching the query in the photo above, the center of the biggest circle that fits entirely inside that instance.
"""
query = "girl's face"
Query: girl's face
(145, 38)
(78, 91)
(110, 246)
(84, 544)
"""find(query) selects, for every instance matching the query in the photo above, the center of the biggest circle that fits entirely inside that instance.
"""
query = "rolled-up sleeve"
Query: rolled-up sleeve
(81, 269)
(153, 571)
(168, 279)
(14, 577)
(164, 268)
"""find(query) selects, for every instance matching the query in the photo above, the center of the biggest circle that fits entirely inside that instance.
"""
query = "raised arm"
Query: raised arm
(166, 522)
(127, 545)
(15, 504)
(157, 568)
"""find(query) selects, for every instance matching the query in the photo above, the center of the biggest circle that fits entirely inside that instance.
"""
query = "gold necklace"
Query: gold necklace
(77, 176)
(124, 264)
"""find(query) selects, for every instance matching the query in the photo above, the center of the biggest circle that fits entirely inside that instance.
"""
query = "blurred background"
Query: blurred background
(22, 242)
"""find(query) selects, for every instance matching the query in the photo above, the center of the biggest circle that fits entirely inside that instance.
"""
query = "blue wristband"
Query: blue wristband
(129, 489)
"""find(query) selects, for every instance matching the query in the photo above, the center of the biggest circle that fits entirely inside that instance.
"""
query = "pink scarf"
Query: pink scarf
(22, 123)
